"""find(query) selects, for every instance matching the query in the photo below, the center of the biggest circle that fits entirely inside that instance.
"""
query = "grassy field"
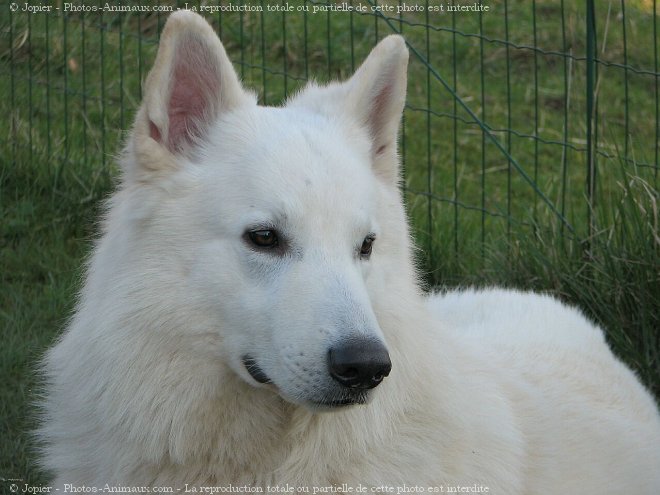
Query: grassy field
(508, 82)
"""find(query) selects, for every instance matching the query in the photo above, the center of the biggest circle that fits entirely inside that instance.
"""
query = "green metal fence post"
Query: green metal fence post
(13, 117)
(657, 93)
(591, 109)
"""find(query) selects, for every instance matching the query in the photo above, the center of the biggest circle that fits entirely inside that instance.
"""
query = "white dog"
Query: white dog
(251, 317)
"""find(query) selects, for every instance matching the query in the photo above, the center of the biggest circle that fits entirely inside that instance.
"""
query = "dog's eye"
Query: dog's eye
(367, 244)
(263, 238)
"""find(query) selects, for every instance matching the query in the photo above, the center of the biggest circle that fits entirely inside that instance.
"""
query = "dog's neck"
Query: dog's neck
(257, 436)
(244, 434)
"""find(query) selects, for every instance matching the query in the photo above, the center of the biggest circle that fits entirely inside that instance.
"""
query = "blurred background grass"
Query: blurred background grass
(495, 147)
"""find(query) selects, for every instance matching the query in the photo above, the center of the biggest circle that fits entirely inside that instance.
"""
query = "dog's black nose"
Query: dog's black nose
(359, 364)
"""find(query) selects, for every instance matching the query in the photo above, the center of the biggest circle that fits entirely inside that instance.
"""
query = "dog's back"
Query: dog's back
(589, 425)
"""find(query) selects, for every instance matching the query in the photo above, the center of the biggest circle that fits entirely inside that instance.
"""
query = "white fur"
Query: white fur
(512, 391)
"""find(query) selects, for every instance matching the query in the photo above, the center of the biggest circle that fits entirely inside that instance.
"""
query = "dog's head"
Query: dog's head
(283, 223)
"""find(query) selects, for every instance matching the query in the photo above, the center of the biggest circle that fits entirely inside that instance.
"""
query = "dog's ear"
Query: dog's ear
(376, 95)
(373, 98)
(191, 83)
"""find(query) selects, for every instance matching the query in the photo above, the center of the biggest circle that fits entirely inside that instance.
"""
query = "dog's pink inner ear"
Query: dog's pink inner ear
(194, 94)
(154, 132)
(379, 119)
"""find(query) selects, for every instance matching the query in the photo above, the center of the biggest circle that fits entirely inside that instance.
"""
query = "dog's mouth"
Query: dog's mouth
(336, 403)
(255, 371)
(332, 402)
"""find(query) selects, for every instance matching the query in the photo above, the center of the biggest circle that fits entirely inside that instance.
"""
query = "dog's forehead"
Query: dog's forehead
(293, 153)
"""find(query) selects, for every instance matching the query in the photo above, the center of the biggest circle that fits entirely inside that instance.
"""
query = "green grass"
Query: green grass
(71, 86)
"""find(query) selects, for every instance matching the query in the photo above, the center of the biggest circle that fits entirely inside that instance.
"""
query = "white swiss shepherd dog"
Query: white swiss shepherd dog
(252, 316)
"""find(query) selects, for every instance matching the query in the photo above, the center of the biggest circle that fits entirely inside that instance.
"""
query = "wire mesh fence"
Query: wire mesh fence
(519, 113)
(529, 145)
